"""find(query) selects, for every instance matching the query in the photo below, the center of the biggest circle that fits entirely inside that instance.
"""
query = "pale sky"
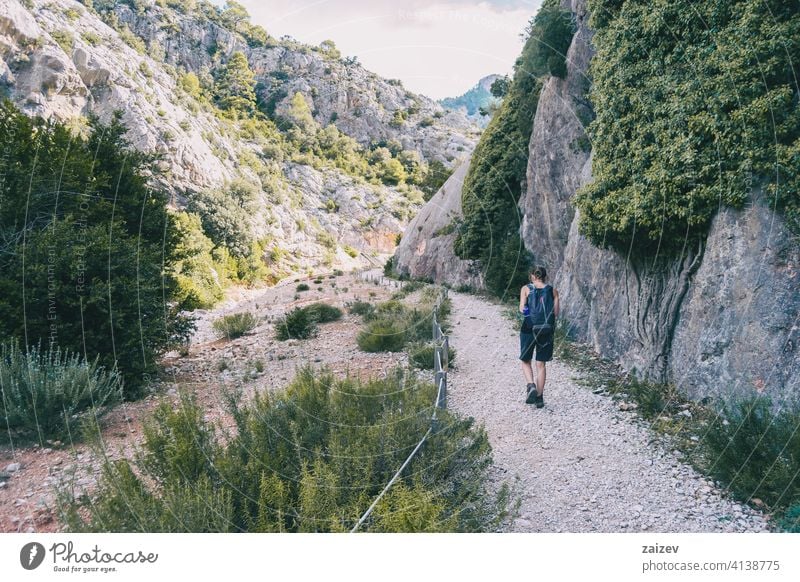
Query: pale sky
(439, 49)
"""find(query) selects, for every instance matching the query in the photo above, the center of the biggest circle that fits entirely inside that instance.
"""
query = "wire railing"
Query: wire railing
(440, 367)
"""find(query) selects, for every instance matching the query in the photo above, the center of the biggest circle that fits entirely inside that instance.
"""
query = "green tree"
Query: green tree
(235, 86)
(500, 86)
(329, 48)
(87, 247)
(226, 215)
(233, 15)
(300, 114)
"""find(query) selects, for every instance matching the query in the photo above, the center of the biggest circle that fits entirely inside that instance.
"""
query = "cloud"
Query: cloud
(439, 49)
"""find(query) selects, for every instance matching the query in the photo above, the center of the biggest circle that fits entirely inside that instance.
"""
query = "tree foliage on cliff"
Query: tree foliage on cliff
(85, 246)
(697, 105)
(492, 187)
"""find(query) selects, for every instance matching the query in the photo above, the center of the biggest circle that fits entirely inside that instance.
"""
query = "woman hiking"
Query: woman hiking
(538, 303)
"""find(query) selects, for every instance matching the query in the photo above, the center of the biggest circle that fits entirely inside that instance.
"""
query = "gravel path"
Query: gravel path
(583, 465)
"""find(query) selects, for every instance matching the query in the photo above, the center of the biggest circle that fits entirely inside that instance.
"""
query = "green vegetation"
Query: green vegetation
(323, 313)
(199, 271)
(226, 215)
(302, 287)
(490, 229)
(89, 250)
(421, 355)
(362, 308)
(692, 121)
(391, 325)
(303, 322)
(64, 39)
(755, 451)
(234, 89)
(91, 38)
(310, 458)
(297, 324)
(235, 325)
(47, 392)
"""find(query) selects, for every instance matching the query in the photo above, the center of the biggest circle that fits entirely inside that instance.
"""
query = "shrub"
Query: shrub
(323, 313)
(347, 440)
(44, 392)
(297, 324)
(64, 39)
(235, 325)
(302, 287)
(388, 267)
(421, 355)
(362, 308)
(382, 335)
(790, 520)
(755, 451)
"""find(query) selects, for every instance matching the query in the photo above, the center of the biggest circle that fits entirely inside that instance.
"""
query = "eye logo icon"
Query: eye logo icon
(31, 556)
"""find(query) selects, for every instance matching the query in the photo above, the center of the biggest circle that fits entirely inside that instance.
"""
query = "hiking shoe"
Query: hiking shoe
(539, 401)
(531, 397)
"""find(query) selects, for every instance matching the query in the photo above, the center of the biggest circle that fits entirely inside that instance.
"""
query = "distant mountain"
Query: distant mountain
(471, 102)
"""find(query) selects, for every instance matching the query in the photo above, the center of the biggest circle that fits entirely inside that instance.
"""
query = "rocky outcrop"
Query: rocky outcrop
(426, 249)
(360, 103)
(558, 152)
(720, 322)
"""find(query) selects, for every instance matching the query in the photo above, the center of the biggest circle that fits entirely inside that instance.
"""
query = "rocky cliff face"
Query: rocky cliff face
(60, 59)
(426, 250)
(719, 322)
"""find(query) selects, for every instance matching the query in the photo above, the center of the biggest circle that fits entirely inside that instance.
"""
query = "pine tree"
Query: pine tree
(235, 86)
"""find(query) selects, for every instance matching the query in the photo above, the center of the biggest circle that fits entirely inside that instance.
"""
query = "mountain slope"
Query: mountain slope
(326, 194)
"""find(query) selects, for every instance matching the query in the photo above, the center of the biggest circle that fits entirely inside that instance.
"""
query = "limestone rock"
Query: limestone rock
(426, 249)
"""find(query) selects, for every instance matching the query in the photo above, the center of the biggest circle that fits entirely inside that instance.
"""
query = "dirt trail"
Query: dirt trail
(584, 465)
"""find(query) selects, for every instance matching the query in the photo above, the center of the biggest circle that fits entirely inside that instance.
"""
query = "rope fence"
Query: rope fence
(440, 367)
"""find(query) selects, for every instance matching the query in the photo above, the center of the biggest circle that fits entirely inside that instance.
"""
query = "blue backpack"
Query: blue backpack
(541, 309)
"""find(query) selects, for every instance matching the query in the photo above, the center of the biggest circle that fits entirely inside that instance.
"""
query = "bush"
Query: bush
(64, 39)
(755, 451)
(308, 458)
(235, 325)
(323, 313)
(302, 287)
(45, 392)
(421, 355)
(790, 521)
(297, 324)
(362, 308)
(382, 335)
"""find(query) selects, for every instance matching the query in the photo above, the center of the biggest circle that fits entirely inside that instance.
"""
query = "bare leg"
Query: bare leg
(528, 371)
(541, 376)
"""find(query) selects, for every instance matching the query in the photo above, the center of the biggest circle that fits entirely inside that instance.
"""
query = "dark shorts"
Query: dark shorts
(542, 344)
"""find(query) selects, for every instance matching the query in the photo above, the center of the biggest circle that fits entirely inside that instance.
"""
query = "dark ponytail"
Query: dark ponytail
(539, 272)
